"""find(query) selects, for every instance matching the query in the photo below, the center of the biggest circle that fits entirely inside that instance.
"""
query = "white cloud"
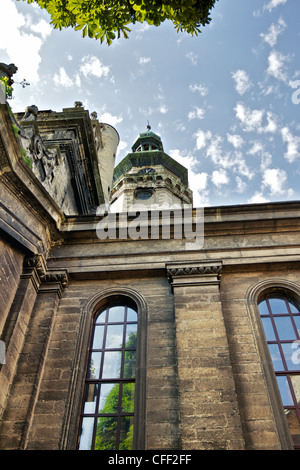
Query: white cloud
(202, 89)
(275, 179)
(201, 138)
(192, 57)
(277, 65)
(242, 81)
(17, 42)
(219, 177)
(258, 198)
(43, 28)
(273, 32)
(236, 140)
(62, 79)
(197, 113)
(293, 145)
(144, 60)
(240, 184)
(109, 118)
(273, 4)
(92, 66)
(197, 181)
(251, 120)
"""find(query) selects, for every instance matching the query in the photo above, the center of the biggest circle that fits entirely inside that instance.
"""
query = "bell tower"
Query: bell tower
(150, 177)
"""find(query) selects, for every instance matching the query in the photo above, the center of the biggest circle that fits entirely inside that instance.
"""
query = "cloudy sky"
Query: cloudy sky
(226, 103)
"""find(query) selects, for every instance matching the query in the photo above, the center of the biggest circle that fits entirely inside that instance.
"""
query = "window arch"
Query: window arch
(280, 316)
(112, 415)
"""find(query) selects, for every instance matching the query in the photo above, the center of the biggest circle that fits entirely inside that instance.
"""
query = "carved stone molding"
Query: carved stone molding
(34, 268)
(55, 281)
(194, 273)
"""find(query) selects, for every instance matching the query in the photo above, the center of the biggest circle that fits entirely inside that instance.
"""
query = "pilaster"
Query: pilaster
(209, 408)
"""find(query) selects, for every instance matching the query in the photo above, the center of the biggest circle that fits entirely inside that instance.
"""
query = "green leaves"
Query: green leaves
(105, 20)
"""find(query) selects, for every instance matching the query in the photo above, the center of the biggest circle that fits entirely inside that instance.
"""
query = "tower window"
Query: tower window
(107, 419)
(280, 317)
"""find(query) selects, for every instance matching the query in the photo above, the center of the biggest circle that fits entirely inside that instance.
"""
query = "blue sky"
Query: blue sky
(226, 103)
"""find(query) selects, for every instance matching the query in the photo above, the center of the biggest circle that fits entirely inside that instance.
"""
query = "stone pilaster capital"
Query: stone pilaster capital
(194, 273)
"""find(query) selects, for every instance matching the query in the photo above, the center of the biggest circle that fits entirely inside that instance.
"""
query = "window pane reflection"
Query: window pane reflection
(108, 408)
(112, 365)
(114, 337)
(126, 434)
(276, 357)
(278, 306)
(285, 328)
(283, 342)
(116, 314)
(98, 337)
(285, 392)
(106, 433)
(86, 434)
(94, 365)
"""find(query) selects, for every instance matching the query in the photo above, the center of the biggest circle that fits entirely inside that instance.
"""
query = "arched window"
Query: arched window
(107, 420)
(280, 316)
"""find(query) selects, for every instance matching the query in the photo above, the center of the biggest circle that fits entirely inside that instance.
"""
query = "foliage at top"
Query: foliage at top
(107, 19)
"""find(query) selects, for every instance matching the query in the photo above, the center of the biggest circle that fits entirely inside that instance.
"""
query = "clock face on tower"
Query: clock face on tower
(146, 170)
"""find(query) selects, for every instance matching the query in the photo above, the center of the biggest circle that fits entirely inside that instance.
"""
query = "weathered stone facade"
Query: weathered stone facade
(205, 380)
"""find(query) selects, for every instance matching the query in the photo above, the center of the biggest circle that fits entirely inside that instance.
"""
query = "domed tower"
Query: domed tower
(150, 177)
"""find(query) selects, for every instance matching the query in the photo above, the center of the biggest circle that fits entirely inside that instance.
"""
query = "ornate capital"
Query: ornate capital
(55, 281)
(194, 273)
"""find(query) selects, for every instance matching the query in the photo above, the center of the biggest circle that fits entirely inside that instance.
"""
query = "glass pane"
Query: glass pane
(109, 398)
(291, 355)
(285, 392)
(106, 433)
(128, 397)
(294, 308)
(297, 321)
(267, 324)
(131, 315)
(91, 393)
(129, 364)
(296, 386)
(112, 365)
(263, 308)
(130, 341)
(116, 314)
(101, 318)
(94, 365)
(285, 328)
(114, 336)
(86, 434)
(98, 337)
(278, 305)
(126, 433)
(276, 358)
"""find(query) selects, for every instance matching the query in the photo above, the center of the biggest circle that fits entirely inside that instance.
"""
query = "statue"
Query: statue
(8, 71)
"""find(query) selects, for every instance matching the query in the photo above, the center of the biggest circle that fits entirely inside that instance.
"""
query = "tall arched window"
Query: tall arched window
(280, 316)
(107, 420)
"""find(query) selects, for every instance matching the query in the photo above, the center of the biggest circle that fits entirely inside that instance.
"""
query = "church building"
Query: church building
(130, 319)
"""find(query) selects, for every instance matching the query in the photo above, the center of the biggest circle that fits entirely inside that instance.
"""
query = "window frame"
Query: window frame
(102, 319)
(254, 295)
(71, 431)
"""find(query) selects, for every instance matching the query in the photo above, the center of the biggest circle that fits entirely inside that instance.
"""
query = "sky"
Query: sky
(225, 103)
